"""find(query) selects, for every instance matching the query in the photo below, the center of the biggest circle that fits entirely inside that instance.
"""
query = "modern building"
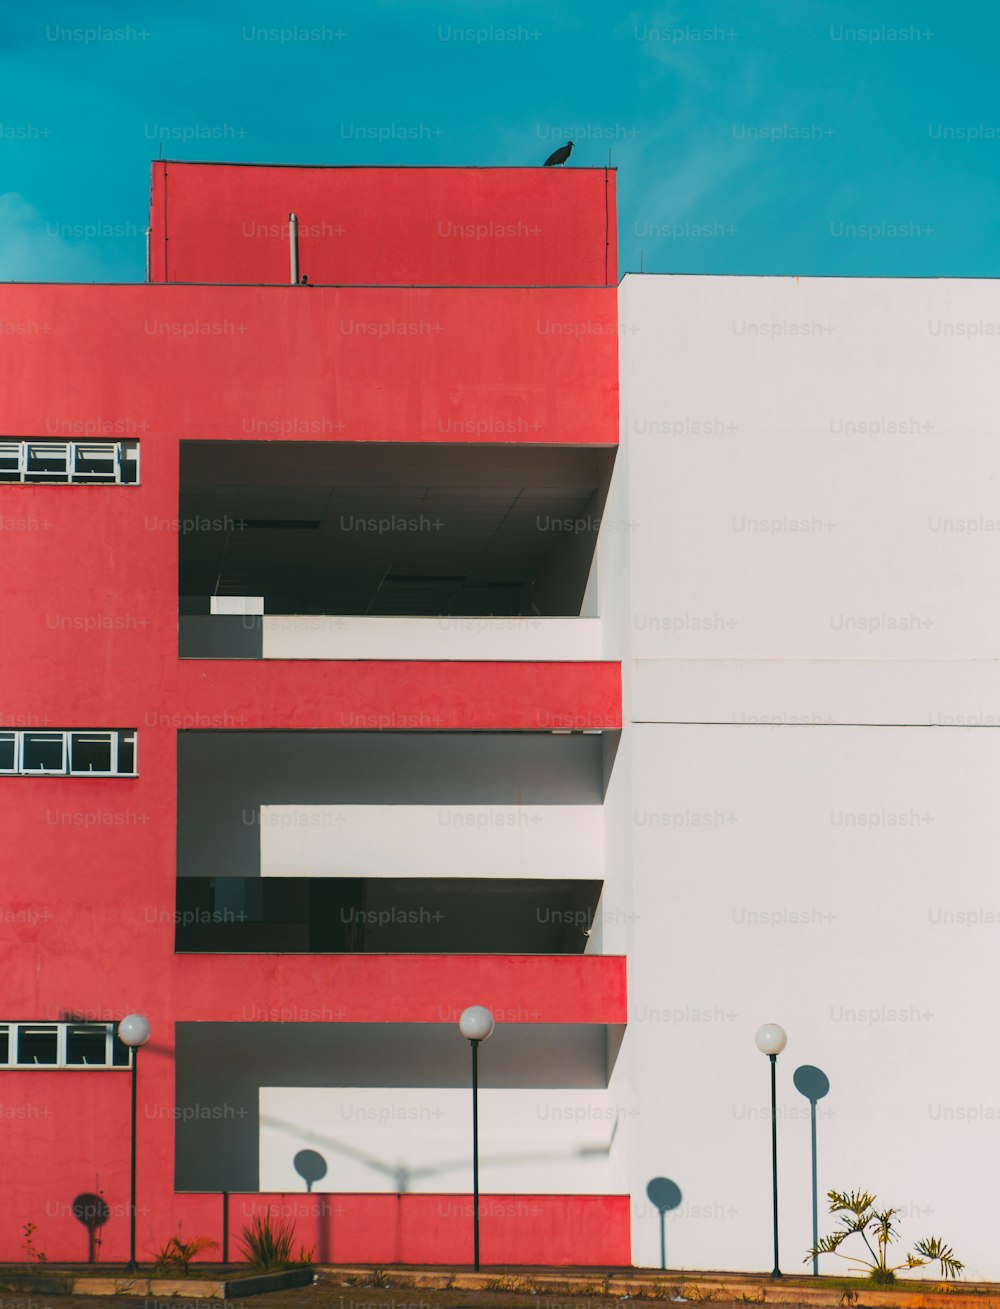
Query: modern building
(454, 626)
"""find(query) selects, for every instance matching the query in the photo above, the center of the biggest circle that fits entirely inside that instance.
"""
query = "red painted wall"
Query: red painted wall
(362, 364)
(87, 876)
(385, 226)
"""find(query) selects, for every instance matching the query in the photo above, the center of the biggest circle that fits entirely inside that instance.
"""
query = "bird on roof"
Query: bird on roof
(559, 156)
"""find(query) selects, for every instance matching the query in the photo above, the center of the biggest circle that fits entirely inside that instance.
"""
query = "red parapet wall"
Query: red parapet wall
(310, 363)
(399, 988)
(402, 695)
(560, 1230)
(384, 226)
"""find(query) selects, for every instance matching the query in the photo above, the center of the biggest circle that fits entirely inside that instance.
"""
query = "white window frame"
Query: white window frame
(22, 767)
(62, 1042)
(49, 450)
(121, 454)
(107, 451)
(118, 737)
(13, 450)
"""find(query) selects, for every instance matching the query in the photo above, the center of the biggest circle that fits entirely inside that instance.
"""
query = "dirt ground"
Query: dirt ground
(326, 1295)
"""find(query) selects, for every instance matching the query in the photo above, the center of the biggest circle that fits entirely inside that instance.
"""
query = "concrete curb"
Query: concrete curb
(696, 1287)
(186, 1288)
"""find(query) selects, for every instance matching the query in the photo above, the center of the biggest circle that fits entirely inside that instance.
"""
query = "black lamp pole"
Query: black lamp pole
(774, 1159)
(133, 1031)
(475, 1024)
(475, 1153)
(133, 1267)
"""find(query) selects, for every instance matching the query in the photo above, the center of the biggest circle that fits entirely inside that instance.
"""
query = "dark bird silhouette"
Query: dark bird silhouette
(559, 156)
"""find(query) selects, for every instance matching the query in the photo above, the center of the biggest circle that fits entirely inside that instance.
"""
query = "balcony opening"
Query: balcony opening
(386, 1105)
(389, 842)
(381, 531)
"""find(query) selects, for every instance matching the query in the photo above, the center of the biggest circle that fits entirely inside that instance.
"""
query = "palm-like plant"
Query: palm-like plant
(858, 1215)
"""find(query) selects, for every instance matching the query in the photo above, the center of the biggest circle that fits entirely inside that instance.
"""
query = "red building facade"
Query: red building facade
(461, 308)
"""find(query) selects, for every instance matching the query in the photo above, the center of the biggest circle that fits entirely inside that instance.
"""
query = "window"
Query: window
(47, 461)
(79, 753)
(125, 766)
(38, 1043)
(43, 752)
(10, 461)
(90, 752)
(70, 461)
(62, 1045)
(96, 463)
(88, 1043)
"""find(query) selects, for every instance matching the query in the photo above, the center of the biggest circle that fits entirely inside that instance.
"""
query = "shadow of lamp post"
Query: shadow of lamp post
(91, 1210)
(310, 1166)
(771, 1040)
(133, 1031)
(666, 1195)
(814, 1084)
(475, 1024)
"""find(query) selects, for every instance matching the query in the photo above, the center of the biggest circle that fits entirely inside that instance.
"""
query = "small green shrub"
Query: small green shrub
(268, 1244)
(175, 1255)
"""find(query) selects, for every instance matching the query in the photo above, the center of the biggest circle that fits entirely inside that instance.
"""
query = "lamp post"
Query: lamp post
(475, 1024)
(771, 1040)
(133, 1031)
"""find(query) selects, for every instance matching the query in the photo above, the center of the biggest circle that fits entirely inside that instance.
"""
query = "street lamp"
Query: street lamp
(475, 1024)
(771, 1040)
(133, 1031)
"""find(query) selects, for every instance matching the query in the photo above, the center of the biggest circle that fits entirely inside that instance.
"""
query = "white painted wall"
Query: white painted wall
(374, 637)
(531, 1142)
(810, 650)
(426, 840)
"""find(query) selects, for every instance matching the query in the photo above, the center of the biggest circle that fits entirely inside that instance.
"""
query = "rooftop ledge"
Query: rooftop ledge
(394, 168)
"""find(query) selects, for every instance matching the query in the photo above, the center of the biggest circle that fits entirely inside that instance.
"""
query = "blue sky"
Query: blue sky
(775, 137)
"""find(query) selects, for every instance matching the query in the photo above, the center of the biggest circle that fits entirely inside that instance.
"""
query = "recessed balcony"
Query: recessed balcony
(390, 842)
(324, 550)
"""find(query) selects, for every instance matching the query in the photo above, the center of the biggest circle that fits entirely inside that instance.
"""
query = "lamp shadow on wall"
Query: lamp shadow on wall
(664, 1194)
(403, 1175)
(312, 1167)
(92, 1211)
